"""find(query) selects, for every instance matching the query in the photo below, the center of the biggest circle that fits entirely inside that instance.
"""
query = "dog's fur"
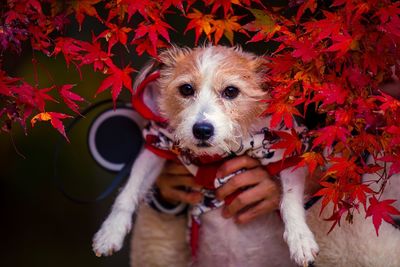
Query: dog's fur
(223, 243)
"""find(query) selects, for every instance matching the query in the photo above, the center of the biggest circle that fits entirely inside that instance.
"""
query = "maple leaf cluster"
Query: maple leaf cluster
(331, 57)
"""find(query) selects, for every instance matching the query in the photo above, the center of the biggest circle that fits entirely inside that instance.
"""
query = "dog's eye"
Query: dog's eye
(186, 90)
(230, 92)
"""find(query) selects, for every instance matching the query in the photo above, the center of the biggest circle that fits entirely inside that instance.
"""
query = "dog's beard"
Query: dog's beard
(226, 140)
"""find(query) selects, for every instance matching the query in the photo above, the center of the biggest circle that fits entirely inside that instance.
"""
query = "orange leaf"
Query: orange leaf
(263, 24)
(55, 120)
(227, 27)
(311, 160)
(330, 193)
(84, 7)
(200, 23)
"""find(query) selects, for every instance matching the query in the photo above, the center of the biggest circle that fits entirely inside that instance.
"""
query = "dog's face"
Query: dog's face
(210, 96)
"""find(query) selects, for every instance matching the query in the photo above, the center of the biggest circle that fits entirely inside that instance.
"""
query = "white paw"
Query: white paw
(111, 235)
(302, 245)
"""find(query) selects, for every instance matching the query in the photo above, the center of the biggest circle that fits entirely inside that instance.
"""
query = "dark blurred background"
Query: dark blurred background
(39, 227)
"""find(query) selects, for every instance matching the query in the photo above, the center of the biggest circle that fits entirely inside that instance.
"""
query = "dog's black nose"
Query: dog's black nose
(203, 130)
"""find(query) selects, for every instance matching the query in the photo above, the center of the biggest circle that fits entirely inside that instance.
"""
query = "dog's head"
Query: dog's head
(210, 96)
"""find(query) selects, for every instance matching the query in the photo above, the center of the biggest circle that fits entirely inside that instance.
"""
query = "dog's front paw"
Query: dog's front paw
(111, 235)
(302, 245)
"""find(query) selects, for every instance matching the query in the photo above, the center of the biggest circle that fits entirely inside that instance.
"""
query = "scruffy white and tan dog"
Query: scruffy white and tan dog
(210, 97)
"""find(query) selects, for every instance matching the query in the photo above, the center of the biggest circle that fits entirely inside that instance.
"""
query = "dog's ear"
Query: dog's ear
(173, 55)
(148, 68)
(259, 65)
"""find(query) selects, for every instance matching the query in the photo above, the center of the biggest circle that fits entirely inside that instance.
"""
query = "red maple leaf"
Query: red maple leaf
(116, 80)
(41, 96)
(115, 34)
(33, 97)
(225, 4)
(7, 84)
(381, 210)
(344, 168)
(142, 6)
(388, 12)
(69, 97)
(12, 16)
(69, 47)
(83, 8)
(394, 131)
(305, 50)
(359, 191)
(94, 54)
(176, 3)
(337, 215)
(329, 134)
(55, 120)
(311, 160)
(308, 4)
(152, 31)
(324, 28)
(145, 45)
(388, 102)
(330, 93)
(391, 27)
(330, 193)
(288, 141)
(365, 141)
(280, 64)
(39, 40)
(282, 111)
(395, 163)
(342, 44)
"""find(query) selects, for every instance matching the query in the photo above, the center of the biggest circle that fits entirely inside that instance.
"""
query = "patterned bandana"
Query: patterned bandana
(260, 145)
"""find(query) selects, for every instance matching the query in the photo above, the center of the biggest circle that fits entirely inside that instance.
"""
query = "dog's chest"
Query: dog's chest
(258, 243)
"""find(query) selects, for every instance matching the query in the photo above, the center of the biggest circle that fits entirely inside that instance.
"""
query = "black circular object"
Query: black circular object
(115, 137)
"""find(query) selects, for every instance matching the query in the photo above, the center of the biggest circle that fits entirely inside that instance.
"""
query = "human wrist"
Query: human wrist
(160, 204)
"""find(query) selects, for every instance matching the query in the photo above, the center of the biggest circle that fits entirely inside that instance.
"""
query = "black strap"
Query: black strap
(121, 175)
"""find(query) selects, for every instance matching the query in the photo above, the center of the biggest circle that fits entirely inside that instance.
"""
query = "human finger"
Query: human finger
(267, 189)
(244, 179)
(173, 195)
(235, 164)
(168, 180)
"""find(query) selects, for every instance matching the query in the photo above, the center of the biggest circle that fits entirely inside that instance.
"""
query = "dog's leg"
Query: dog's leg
(111, 235)
(302, 245)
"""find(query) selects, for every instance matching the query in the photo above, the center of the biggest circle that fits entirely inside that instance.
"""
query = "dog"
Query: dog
(209, 104)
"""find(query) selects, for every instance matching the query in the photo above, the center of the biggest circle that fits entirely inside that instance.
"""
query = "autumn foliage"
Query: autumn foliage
(330, 56)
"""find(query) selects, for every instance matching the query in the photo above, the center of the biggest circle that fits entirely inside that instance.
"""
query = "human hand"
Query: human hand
(176, 184)
(262, 194)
